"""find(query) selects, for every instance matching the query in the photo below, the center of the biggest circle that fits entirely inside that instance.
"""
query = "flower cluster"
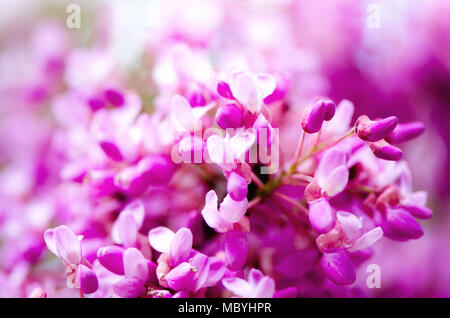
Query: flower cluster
(157, 191)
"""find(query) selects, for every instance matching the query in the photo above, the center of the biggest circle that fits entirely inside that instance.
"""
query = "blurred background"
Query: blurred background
(388, 57)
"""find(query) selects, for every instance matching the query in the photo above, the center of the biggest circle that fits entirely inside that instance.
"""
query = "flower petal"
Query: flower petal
(236, 250)
(111, 257)
(135, 264)
(67, 245)
(338, 267)
(368, 239)
(350, 225)
(181, 277)
(233, 211)
(160, 239)
(237, 286)
(87, 279)
(336, 181)
(181, 246)
(130, 287)
(321, 215)
(264, 289)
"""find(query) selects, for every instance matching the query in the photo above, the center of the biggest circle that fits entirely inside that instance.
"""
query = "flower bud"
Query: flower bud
(111, 150)
(96, 103)
(196, 99)
(374, 130)
(330, 108)
(400, 225)
(405, 132)
(224, 90)
(114, 97)
(237, 187)
(322, 109)
(385, 151)
(229, 116)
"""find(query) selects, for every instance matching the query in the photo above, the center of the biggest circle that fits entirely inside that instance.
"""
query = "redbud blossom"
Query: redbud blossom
(322, 110)
(374, 130)
(405, 132)
(229, 116)
(385, 151)
(338, 267)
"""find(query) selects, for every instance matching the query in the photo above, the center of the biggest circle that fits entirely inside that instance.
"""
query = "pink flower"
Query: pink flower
(322, 110)
(126, 227)
(62, 242)
(249, 89)
(136, 273)
(230, 212)
(370, 130)
(332, 173)
(256, 286)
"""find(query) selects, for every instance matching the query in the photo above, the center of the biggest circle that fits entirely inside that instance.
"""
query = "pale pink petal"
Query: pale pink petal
(182, 113)
(49, 238)
(350, 225)
(181, 277)
(240, 143)
(332, 159)
(366, 240)
(340, 123)
(129, 287)
(267, 84)
(254, 276)
(135, 264)
(216, 149)
(246, 90)
(336, 181)
(160, 239)
(216, 271)
(67, 245)
(125, 230)
(264, 289)
(321, 215)
(211, 214)
(233, 211)
(137, 210)
(237, 286)
(181, 246)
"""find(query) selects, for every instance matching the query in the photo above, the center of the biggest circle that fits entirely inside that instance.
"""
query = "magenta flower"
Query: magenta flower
(256, 286)
(322, 110)
(230, 212)
(62, 242)
(249, 89)
(370, 130)
(126, 228)
(136, 270)
(405, 132)
(332, 173)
